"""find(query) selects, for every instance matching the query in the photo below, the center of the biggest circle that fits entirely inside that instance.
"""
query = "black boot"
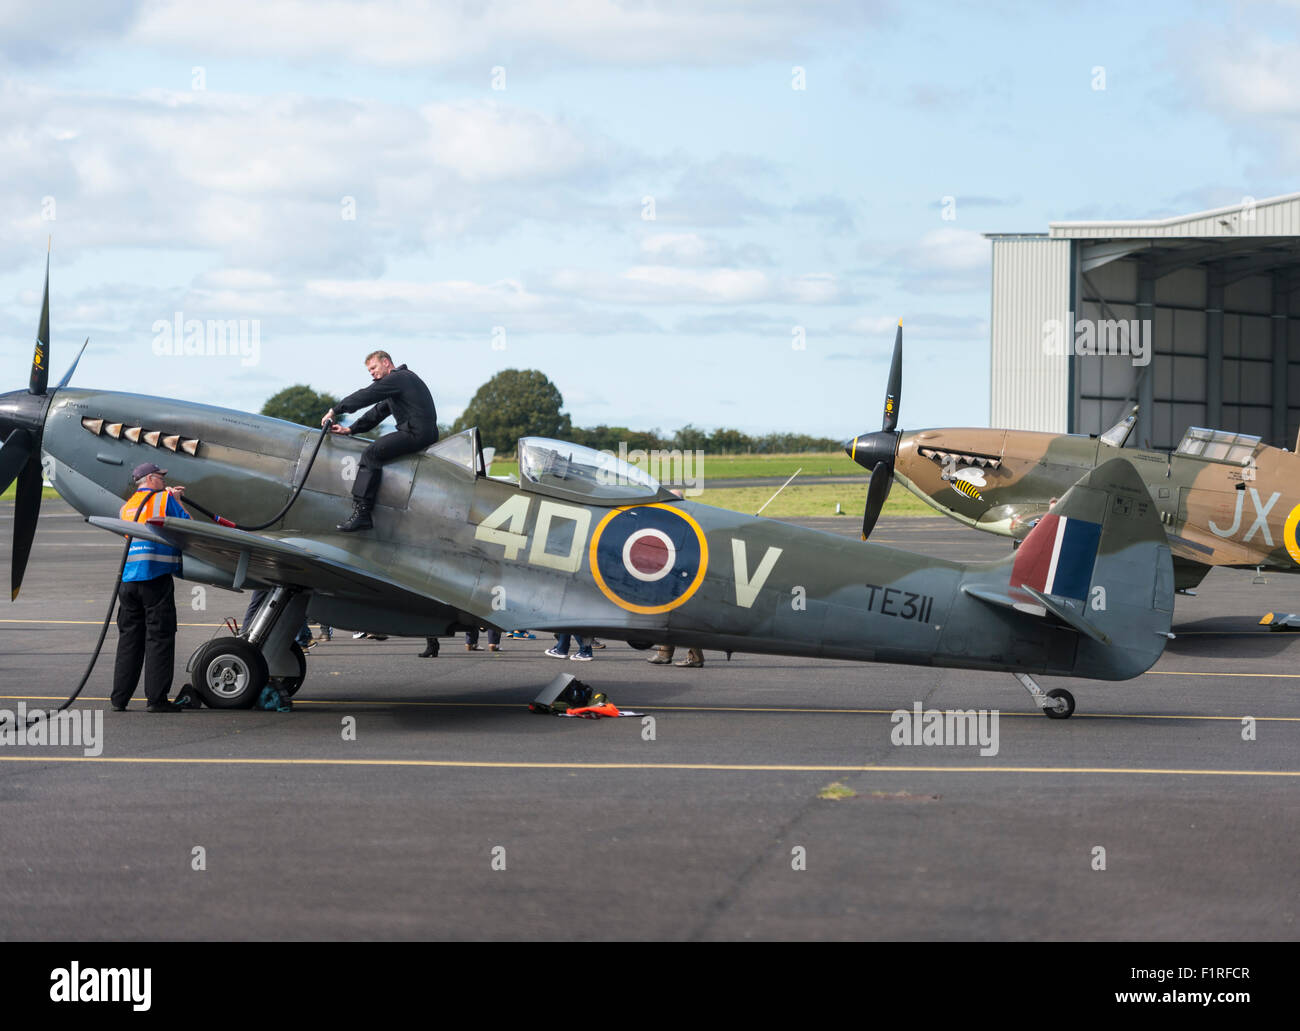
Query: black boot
(360, 518)
(430, 648)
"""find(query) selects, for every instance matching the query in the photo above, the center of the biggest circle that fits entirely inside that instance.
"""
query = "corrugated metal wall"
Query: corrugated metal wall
(1030, 388)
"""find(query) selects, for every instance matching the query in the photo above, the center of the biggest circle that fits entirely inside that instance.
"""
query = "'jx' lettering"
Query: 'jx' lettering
(1261, 517)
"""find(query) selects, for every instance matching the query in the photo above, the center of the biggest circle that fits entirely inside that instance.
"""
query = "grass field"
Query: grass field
(8, 495)
(816, 500)
(743, 467)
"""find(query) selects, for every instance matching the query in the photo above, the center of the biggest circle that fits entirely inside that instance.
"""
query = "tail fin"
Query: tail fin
(1098, 562)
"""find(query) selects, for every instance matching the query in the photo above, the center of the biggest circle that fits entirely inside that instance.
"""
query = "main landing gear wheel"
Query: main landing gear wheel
(1062, 697)
(288, 686)
(229, 673)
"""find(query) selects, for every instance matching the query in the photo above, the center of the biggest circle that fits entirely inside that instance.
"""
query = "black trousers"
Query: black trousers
(146, 624)
(385, 449)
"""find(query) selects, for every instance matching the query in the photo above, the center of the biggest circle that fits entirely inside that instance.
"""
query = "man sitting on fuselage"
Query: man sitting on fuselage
(398, 392)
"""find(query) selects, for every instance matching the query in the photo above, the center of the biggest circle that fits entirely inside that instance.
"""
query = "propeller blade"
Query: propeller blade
(882, 478)
(41, 356)
(73, 367)
(13, 456)
(893, 393)
(27, 511)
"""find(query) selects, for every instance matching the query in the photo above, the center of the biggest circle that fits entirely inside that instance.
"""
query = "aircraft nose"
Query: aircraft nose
(870, 449)
(20, 409)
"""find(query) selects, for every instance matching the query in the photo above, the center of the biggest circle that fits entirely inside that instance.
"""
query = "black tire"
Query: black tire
(289, 685)
(229, 673)
(641, 645)
(1065, 696)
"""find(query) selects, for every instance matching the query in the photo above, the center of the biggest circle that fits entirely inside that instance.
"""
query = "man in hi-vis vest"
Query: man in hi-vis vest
(146, 607)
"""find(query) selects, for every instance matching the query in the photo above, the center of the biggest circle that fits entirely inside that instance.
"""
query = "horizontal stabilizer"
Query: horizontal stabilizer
(1035, 603)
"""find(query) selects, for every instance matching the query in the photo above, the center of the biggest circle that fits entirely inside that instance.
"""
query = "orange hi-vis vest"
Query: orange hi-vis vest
(148, 560)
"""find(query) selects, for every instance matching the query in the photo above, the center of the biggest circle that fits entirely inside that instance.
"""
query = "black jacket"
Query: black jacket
(401, 394)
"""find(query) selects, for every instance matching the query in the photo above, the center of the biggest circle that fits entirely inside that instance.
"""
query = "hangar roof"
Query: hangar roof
(1247, 239)
(1274, 216)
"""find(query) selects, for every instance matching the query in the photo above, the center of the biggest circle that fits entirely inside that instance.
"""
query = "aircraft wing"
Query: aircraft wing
(254, 560)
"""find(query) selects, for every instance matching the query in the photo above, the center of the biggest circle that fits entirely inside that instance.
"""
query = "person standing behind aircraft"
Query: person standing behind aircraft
(398, 392)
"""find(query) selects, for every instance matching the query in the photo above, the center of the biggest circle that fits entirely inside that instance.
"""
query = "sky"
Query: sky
(707, 212)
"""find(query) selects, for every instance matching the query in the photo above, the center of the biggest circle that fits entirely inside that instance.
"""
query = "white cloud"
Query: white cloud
(1254, 77)
(455, 295)
(263, 180)
(950, 250)
(532, 33)
(669, 284)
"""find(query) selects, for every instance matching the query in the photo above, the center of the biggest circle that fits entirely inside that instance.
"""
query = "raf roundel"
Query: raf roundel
(648, 558)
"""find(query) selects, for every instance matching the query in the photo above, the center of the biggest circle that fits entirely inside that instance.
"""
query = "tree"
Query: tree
(512, 404)
(689, 438)
(299, 404)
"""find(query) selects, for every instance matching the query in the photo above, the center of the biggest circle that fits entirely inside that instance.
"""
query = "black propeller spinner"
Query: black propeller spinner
(22, 421)
(877, 451)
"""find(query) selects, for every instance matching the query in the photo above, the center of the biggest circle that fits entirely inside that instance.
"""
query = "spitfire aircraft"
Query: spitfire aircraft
(582, 542)
(1225, 499)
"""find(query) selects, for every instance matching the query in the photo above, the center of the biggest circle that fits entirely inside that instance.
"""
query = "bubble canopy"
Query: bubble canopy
(597, 477)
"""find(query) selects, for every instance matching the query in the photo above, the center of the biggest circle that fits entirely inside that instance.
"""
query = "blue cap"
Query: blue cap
(146, 469)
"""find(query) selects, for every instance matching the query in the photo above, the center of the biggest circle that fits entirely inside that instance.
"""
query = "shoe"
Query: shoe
(689, 663)
(378, 637)
(359, 520)
(165, 706)
(119, 708)
(597, 644)
(659, 660)
(473, 648)
(360, 635)
(494, 647)
(430, 651)
(581, 657)
(308, 646)
(555, 653)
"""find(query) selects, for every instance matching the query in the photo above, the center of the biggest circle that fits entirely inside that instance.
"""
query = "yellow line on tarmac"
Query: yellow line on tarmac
(520, 706)
(89, 622)
(702, 767)
(1211, 673)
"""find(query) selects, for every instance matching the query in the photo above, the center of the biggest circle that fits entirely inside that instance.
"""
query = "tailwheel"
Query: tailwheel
(1063, 707)
(229, 673)
(1057, 704)
(288, 686)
